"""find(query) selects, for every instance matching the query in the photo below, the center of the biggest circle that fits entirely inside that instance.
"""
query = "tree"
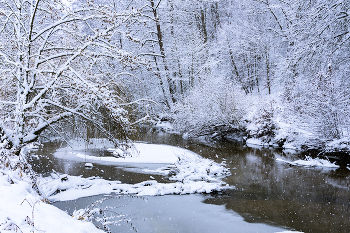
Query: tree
(59, 62)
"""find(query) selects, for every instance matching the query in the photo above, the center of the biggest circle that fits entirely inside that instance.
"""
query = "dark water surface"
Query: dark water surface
(270, 196)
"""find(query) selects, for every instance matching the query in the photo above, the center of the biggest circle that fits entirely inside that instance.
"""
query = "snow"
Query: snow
(89, 165)
(165, 126)
(23, 210)
(21, 206)
(180, 163)
(76, 187)
(189, 171)
(254, 141)
(185, 163)
(140, 153)
(311, 162)
(68, 3)
(258, 143)
(289, 232)
(342, 144)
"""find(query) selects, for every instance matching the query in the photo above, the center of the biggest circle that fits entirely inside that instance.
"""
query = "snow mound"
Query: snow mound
(254, 141)
(23, 210)
(193, 168)
(66, 188)
(189, 171)
(310, 162)
(139, 153)
(181, 165)
(258, 143)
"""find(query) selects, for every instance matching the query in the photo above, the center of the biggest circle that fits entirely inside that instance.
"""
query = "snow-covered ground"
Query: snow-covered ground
(23, 210)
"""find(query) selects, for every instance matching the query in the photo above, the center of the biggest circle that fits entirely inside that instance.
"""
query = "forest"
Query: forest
(272, 70)
(266, 73)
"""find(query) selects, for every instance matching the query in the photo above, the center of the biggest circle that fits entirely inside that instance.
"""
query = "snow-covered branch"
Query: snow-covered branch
(33, 135)
(40, 33)
(54, 57)
(8, 102)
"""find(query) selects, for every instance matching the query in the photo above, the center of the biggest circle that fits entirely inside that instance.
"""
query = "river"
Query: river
(269, 195)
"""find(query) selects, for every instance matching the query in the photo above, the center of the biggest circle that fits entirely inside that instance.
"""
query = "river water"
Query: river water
(269, 195)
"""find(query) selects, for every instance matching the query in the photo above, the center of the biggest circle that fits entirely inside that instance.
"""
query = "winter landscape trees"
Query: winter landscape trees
(269, 72)
(204, 63)
(288, 57)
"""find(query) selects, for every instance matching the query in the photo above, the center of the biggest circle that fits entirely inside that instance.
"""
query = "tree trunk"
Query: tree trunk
(268, 79)
(171, 85)
(203, 25)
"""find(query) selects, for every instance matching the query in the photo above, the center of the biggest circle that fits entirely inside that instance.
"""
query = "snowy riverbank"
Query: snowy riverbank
(16, 211)
(23, 210)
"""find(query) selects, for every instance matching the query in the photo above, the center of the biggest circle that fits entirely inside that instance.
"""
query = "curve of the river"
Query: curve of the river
(269, 196)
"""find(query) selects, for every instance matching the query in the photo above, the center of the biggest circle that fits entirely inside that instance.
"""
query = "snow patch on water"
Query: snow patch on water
(258, 143)
(311, 162)
(254, 141)
(139, 153)
(66, 188)
(180, 164)
(189, 171)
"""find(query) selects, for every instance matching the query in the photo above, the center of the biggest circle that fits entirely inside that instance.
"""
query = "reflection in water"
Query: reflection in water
(267, 191)
(305, 199)
(45, 163)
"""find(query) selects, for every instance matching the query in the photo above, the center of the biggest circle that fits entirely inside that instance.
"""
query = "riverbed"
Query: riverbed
(268, 195)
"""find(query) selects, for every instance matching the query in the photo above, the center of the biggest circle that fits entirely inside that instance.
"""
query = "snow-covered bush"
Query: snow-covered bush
(217, 101)
(261, 119)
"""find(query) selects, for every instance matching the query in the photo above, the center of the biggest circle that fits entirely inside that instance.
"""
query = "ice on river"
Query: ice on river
(189, 172)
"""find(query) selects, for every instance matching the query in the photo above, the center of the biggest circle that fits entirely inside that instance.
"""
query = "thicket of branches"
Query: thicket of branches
(289, 54)
(62, 67)
(89, 65)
